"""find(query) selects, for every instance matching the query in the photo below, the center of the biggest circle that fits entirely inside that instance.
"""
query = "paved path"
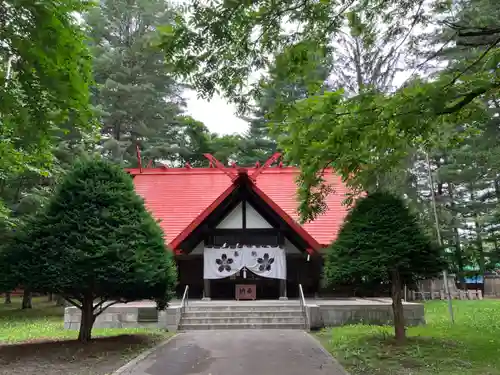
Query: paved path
(239, 352)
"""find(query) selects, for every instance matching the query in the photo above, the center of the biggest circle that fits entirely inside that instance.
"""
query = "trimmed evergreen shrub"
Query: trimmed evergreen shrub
(95, 244)
(381, 241)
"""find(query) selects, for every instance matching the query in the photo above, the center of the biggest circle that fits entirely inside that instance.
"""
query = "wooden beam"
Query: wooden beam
(266, 165)
(243, 214)
(229, 172)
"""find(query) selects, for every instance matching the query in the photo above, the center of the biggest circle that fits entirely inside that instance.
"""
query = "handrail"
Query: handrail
(184, 301)
(304, 307)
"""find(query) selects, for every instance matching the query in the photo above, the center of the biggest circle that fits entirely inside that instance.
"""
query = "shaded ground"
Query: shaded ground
(239, 352)
(45, 321)
(100, 357)
(34, 342)
(471, 346)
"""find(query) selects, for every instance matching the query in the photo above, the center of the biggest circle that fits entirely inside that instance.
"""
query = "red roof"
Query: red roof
(182, 197)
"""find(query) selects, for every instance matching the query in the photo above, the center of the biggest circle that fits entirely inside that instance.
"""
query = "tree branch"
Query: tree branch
(102, 309)
(79, 306)
(475, 62)
(468, 98)
(340, 13)
(96, 306)
(481, 32)
(465, 30)
(431, 57)
(415, 20)
(277, 15)
(461, 43)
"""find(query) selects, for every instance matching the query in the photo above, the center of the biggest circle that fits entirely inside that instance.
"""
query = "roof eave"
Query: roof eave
(175, 243)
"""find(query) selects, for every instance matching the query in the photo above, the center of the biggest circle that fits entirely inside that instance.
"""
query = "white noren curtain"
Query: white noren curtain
(267, 262)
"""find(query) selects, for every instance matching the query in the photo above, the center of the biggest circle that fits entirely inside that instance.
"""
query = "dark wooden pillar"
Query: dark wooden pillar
(206, 290)
(283, 290)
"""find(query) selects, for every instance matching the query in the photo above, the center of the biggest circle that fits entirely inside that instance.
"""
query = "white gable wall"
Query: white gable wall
(233, 220)
(254, 220)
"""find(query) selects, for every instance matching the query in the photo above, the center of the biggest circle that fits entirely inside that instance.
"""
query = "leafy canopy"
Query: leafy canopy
(219, 47)
(44, 79)
(219, 44)
(380, 236)
(96, 239)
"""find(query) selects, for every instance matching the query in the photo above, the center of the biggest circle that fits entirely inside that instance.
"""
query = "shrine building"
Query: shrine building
(231, 227)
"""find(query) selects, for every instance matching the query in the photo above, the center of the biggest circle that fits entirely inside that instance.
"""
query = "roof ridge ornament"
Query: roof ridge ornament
(139, 160)
(266, 165)
(231, 173)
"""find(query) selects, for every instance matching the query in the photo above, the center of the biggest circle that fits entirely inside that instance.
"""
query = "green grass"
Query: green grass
(45, 322)
(469, 347)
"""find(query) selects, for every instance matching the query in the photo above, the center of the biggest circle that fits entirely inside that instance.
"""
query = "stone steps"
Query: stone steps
(242, 313)
(242, 316)
(215, 326)
(242, 320)
(244, 307)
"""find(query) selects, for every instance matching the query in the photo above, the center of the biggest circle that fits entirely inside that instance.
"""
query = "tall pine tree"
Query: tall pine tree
(137, 97)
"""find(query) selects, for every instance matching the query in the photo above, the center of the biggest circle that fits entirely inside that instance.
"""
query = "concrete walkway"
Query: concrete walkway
(238, 352)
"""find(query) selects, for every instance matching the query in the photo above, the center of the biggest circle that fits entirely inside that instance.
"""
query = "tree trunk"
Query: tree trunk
(480, 248)
(50, 297)
(26, 299)
(456, 238)
(59, 300)
(479, 237)
(87, 320)
(460, 259)
(496, 185)
(397, 307)
(8, 300)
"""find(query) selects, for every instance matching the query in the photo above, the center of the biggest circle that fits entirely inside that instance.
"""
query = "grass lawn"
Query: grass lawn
(34, 341)
(469, 347)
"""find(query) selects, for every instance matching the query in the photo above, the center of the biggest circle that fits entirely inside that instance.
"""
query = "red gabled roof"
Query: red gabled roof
(279, 184)
(183, 197)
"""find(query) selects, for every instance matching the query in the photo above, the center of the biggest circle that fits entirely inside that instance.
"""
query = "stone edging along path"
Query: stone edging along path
(127, 367)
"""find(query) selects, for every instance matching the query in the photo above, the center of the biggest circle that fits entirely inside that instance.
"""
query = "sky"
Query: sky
(217, 114)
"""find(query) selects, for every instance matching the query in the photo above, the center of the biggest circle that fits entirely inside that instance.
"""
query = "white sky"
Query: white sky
(216, 114)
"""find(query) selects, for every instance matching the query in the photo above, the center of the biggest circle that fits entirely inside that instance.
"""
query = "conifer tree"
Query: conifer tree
(381, 241)
(138, 98)
(94, 244)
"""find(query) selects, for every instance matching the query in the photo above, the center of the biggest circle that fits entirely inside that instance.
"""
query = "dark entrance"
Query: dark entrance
(299, 271)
